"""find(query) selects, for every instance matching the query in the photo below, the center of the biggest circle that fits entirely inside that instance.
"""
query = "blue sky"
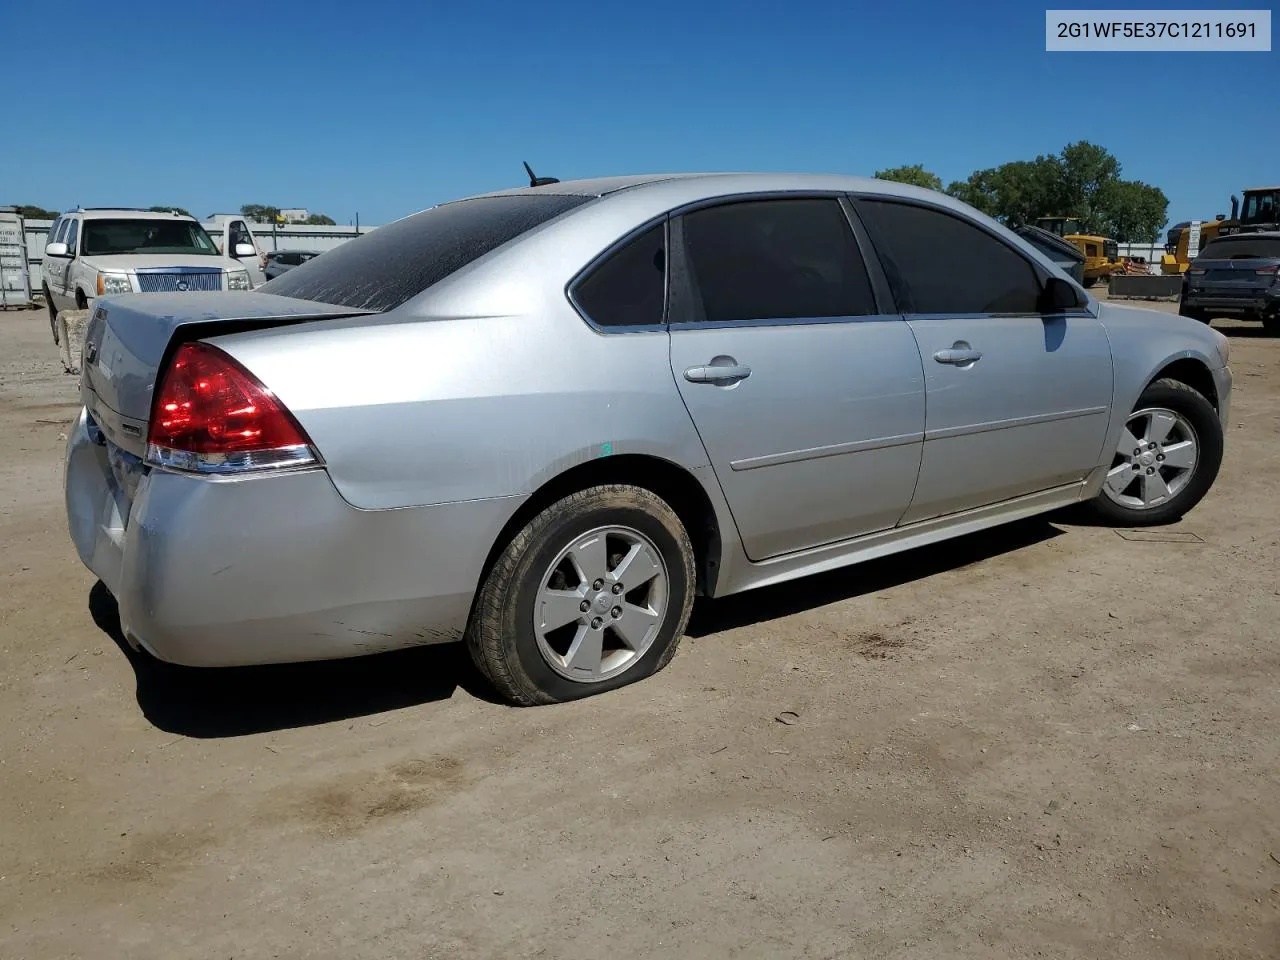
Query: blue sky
(382, 109)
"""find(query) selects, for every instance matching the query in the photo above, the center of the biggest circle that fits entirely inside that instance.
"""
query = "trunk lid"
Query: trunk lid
(1238, 275)
(128, 339)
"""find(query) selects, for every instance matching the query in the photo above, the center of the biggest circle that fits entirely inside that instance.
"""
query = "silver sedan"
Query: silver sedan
(543, 420)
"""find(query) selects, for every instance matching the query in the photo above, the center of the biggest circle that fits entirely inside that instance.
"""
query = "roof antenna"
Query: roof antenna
(535, 181)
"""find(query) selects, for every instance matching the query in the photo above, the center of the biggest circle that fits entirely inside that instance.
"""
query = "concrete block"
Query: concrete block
(71, 327)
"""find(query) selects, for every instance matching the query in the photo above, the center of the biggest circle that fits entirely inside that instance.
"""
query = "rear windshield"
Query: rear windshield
(106, 237)
(1243, 247)
(394, 263)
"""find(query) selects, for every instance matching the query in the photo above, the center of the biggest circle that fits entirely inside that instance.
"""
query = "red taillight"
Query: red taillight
(213, 416)
(1266, 271)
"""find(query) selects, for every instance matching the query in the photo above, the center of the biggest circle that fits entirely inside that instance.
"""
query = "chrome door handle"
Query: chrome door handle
(715, 373)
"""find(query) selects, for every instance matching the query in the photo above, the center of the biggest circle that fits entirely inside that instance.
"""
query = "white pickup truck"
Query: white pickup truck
(99, 251)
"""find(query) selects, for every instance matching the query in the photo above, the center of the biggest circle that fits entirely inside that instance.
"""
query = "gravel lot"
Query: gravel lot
(1047, 740)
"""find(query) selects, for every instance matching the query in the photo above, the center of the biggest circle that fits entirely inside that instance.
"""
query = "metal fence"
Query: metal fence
(293, 236)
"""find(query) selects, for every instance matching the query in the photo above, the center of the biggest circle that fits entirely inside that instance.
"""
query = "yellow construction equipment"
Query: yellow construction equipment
(1101, 254)
(1177, 255)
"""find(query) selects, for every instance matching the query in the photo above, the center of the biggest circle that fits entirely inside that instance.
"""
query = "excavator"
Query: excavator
(1177, 251)
(1101, 254)
(1259, 212)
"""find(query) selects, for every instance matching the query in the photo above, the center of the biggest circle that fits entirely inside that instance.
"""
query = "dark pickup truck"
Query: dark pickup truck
(1235, 276)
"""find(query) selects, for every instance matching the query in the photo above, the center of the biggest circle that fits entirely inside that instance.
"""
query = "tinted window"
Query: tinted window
(939, 263)
(1244, 246)
(629, 288)
(384, 268)
(72, 235)
(774, 259)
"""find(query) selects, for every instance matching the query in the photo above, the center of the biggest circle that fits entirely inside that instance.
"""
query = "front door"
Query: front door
(1018, 401)
(808, 398)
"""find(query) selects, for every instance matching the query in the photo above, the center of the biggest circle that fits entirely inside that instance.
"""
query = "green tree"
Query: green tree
(31, 212)
(916, 175)
(1016, 192)
(1083, 181)
(320, 220)
(184, 212)
(259, 213)
(1132, 211)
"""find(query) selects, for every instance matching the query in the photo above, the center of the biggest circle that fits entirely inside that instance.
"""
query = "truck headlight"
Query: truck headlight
(237, 279)
(109, 283)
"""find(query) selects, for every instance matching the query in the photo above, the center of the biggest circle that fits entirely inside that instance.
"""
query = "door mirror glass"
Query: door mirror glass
(244, 250)
(55, 250)
(1058, 295)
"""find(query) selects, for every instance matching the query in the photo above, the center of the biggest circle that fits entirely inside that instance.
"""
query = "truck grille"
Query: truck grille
(173, 281)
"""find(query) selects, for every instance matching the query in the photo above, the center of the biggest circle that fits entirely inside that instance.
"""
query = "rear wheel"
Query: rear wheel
(1192, 313)
(1271, 325)
(593, 594)
(1167, 458)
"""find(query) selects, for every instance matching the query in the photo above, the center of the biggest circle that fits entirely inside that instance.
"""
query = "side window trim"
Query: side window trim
(570, 288)
(73, 239)
(886, 302)
(680, 276)
(1038, 270)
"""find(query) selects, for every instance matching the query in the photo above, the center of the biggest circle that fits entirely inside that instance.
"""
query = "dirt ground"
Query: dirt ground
(1048, 740)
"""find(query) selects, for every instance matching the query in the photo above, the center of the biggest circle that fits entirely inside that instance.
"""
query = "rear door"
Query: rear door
(806, 390)
(1018, 401)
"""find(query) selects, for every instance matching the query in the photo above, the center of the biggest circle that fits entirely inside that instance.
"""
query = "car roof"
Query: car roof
(1258, 189)
(1268, 234)
(715, 184)
(127, 213)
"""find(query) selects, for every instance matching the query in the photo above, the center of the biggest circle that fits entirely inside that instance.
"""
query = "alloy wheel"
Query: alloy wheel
(1155, 459)
(601, 604)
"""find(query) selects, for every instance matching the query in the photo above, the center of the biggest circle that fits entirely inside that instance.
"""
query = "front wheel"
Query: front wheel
(594, 593)
(1167, 458)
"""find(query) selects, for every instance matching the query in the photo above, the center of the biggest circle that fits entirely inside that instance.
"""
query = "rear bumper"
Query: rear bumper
(1252, 305)
(272, 569)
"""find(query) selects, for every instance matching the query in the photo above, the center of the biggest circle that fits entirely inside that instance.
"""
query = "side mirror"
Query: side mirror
(245, 250)
(1058, 295)
(55, 250)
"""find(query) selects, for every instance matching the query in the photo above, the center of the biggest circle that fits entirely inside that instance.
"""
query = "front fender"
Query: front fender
(1146, 342)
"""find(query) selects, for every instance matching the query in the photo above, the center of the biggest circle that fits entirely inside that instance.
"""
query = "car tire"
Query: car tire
(514, 636)
(1193, 314)
(1271, 325)
(1090, 281)
(53, 313)
(1194, 420)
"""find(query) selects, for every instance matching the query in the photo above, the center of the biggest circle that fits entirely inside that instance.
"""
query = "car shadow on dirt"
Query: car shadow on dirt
(785, 599)
(236, 701)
